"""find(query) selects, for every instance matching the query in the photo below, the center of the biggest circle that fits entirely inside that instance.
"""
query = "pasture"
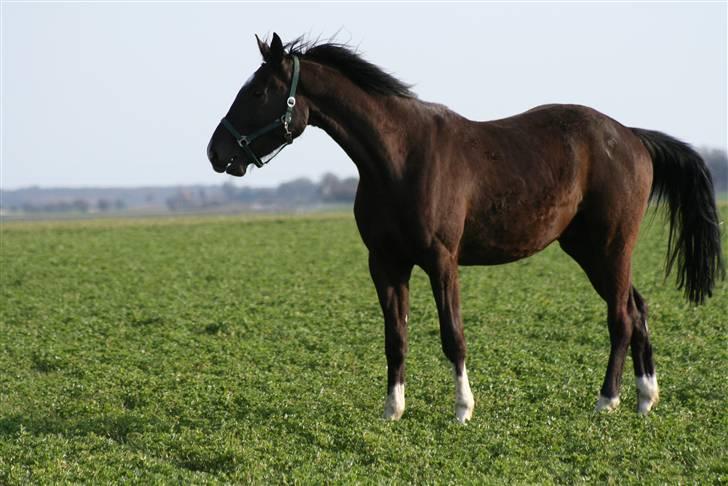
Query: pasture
(234, 349)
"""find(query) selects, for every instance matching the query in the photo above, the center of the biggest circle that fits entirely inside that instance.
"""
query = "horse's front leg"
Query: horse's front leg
(446, 289)
(391, 279)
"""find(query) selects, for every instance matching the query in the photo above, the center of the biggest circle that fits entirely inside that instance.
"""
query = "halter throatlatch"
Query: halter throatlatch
(285, 120)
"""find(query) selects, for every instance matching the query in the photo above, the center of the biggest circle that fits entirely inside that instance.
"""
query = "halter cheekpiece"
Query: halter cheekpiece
(285, 120)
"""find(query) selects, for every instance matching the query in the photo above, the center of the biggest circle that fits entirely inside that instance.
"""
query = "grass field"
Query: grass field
(235, 350)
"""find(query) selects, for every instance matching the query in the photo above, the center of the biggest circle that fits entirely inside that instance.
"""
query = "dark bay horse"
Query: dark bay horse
(438, 190)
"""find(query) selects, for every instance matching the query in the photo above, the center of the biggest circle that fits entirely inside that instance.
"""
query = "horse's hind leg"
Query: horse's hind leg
(644, 368)
(605, 256)
(621, 326)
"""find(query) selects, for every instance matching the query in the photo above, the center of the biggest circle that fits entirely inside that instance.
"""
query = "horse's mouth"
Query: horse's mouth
(235, 167)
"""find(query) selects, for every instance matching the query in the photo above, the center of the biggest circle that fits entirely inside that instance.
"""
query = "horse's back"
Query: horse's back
(614, 167)
(537, 171)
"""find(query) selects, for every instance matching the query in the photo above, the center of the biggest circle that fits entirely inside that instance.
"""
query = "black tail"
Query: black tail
(682, 179)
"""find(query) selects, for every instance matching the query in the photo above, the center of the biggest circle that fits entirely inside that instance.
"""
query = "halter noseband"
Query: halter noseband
(245, 140)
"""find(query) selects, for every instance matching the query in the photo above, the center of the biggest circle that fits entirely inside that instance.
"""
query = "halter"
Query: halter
(244, 141)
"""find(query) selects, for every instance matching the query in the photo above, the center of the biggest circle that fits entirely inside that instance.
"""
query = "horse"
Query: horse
(438, 190)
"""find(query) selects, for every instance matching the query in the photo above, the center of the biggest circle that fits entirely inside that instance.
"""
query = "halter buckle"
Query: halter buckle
(285, 120)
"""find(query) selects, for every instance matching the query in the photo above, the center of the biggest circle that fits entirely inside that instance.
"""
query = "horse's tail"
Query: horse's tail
(682, 179)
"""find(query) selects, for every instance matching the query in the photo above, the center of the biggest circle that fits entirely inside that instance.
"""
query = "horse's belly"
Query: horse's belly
(494, 255)
(492, 239)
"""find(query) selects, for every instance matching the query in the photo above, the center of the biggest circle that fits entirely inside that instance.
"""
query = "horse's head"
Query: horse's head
(265, 116)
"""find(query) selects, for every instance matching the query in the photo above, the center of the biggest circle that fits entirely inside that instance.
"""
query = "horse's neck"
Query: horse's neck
(371, 129)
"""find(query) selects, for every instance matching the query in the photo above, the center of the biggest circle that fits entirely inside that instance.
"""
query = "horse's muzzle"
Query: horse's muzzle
(233, 166)
(218, 165)
(237, 169)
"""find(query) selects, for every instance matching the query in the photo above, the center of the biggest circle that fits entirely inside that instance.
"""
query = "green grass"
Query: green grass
(237, 349)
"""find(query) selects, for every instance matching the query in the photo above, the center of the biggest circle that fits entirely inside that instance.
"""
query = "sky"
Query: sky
(128, 94)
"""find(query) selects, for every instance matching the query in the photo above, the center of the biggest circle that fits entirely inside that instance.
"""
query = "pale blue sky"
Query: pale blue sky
(116, 94)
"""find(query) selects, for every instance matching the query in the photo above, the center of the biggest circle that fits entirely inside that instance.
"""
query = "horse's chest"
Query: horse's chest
(387, 223)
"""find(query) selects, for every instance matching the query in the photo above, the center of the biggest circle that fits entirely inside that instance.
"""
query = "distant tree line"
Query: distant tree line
(297, 193)
(73, 206)
(717, 162)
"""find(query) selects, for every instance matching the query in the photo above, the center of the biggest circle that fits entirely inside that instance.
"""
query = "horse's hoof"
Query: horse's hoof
(648, 393)
(464, 411)
(606, 404)
(645, 405)
(394, 406)
(464, 401)
(392, 413)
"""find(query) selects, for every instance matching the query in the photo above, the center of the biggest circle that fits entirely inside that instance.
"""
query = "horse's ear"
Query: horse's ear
(263, 47)
(276, 49)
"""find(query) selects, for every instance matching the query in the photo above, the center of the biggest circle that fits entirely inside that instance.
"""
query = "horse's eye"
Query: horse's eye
(258, 94)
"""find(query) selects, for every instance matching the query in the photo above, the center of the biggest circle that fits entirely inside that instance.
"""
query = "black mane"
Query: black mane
(369, 77)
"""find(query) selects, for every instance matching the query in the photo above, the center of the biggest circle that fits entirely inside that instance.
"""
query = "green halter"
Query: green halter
(245, 140)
